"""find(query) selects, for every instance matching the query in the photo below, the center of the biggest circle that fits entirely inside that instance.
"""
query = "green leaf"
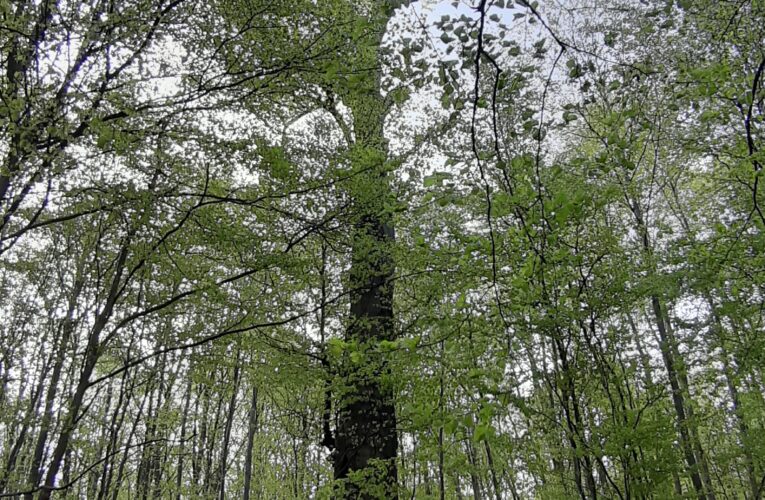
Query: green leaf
(483, 432)
(461, 301)
(436, 179)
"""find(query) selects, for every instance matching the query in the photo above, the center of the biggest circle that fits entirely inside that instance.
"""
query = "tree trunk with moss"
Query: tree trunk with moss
(366, 441)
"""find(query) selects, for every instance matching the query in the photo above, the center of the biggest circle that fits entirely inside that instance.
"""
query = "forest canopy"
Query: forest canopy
(380, 249)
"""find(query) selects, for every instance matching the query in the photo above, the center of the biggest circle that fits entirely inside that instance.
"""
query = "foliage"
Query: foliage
(335, 249)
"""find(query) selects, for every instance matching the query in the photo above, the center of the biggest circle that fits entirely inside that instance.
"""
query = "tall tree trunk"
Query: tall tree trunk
(162, 448)
(730, 379)
(210, 472)
(475, 480)
(366, 440)
(115, 427)
(682, 377)
(26, 424)
(668, 356)
(678, 400)
(493, 473)
(92, 353)
(102, 444)
(575, 424)
(131, 435)
(200, 436)
(67, 329)
(184, 421)
(252, 428)
(227, 431)
(441, 485)
(142, 479)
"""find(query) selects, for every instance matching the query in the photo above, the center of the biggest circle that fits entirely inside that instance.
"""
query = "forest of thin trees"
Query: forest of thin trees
(382, 249)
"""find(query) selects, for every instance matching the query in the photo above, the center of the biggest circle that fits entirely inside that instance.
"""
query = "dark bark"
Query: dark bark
(182, 451)
(115, 427)
(142, 479)
(210, 473)
(475, 480)
(92, 353)
(200, 436)
(26, 425)
(670, 363)
(160, 452)
(366, 440)
(682, 376)
(492, 472)
(678, 400)
(366, 428)
(102, 445)
(67, 329)
(441, 485)
(227, 431)
(575, 425)
(252, 429)
(133, 430)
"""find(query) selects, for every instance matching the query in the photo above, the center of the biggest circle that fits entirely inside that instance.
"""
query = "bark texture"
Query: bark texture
(366, 441)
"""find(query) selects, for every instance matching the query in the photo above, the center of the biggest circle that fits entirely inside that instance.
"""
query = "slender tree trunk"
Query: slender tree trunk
(441, 486)
(730, 381)
(200, 436)
(644, 359)
(414, 467)
(142, 479)
(227, 431)
(493, 473)
(575, 424)
(682, 377)
(115, 426)
(131, 435)
(252, 429)
(92, 353)
(102, 444)
(678, 400)
(26, 425)
(670, 363)
(162, 448)
(67, 329)
(211, 485)
(475, 481)
(182, 446)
